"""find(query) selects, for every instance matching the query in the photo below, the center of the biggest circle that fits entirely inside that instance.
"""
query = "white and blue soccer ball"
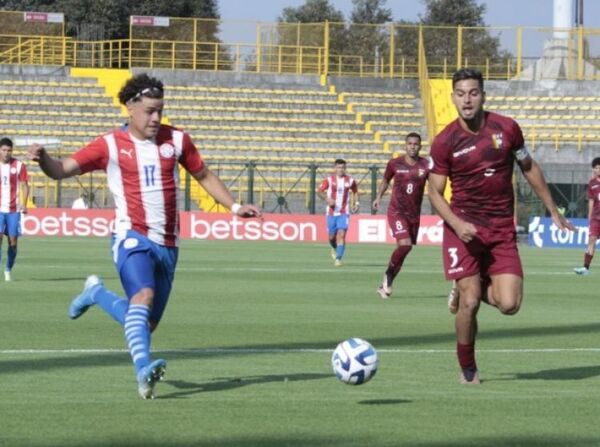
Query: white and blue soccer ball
(354, 361)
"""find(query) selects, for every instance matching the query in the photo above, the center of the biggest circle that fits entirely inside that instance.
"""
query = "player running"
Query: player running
(13, 185)
(409, 174)
(593, 194)
(335, 191)
(476, 152)
(142, 167)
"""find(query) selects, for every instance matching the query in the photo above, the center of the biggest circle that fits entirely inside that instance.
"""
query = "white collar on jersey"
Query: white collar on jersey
(137, 140)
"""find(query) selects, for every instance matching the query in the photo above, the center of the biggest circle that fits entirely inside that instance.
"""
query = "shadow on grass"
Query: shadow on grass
(574, 373)
(338, 441)
(229, 383)
(385, 401)
(52, 361)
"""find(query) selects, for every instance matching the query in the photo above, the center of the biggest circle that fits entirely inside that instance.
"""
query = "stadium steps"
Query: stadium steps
(553, 119)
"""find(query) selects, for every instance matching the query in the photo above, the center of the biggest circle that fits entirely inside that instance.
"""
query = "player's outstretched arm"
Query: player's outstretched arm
(218, 191)
(535, 177)
(52, 167)
(464, 230)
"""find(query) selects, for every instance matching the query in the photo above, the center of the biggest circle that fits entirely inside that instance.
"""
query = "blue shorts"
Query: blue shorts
(10, 224)
(335, 223)
(142, 263)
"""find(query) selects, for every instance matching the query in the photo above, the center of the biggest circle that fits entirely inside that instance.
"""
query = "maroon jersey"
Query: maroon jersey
(479, 167)
(593, 193)
(409, 185)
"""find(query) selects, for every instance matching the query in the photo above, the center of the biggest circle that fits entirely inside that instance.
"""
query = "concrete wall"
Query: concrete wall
(232, 79)
(12, 71)
(546, 87)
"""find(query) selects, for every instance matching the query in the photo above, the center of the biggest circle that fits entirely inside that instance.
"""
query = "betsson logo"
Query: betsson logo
(252, 230)
(65, 225)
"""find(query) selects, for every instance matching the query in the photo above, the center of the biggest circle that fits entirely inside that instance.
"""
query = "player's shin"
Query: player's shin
(587, 259)
(11, 257)
(339, 251)
(112, 304)
(137, 334)
(396, 261)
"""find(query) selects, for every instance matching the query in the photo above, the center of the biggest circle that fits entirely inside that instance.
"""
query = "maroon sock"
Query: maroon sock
(466, 356)
(396, 261)
(587, 260)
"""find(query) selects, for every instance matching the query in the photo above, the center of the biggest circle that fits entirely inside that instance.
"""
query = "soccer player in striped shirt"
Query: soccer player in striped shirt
(142, 166)
(593, 195)
(335, 191)
(13, 186)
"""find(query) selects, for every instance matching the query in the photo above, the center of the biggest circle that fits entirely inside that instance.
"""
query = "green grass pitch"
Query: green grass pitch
(248, 336)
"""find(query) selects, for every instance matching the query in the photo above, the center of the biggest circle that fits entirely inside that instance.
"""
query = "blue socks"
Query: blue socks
(111, 303)
(339, 251)
(10, 259)
(137, 333)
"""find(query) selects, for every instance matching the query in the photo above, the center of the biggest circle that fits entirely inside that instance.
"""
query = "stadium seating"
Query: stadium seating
(279, 128)
(556, 120)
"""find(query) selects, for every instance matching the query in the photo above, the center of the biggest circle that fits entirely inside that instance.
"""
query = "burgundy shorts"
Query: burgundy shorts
(402, 228)
(492, 251)
(594, 228)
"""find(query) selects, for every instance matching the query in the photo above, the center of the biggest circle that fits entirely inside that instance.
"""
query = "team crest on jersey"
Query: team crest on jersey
(166, 150)
(13, 170)
(421, 172)
(497, 141)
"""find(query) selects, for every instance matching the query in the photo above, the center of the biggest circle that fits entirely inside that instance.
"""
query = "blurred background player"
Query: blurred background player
(141, 163)
(409, 174)
(335, 191)
(476, 152)
(593, 194)
(14, 193)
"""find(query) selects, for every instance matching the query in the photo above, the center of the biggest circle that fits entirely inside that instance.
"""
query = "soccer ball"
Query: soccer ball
(354, 361)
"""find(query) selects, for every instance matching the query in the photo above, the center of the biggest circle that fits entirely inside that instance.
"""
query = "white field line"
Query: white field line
(346, 269)
(289, 351)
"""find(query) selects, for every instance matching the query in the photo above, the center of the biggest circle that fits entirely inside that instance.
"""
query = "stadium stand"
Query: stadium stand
(278, 126)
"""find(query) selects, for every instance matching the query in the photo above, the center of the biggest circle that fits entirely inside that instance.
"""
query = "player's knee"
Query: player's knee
(509, 305)
(145, 297)
(468, 304)
(509, 309)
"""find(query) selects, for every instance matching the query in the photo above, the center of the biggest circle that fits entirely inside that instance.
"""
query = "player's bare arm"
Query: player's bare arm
(383, 186)
(464, 230)
(356, 205)
(535, 177)
(52, 167)
(323, 196)
(218, 191)
(25, 195)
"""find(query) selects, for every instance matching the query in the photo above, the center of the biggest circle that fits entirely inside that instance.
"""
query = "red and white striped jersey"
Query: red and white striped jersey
(12, 174)
(339, 189)
(143, 177)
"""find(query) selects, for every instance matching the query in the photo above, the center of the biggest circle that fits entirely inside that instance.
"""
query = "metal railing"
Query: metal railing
(275, 187)
(347, 49)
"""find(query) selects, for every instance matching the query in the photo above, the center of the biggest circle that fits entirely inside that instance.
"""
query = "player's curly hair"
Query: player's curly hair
(141, 85)
(595, 162)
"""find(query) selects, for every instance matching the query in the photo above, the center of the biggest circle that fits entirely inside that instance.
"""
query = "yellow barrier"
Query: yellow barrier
(387, 50)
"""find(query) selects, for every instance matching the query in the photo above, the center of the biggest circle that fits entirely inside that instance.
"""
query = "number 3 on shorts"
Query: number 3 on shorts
(453, 256)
